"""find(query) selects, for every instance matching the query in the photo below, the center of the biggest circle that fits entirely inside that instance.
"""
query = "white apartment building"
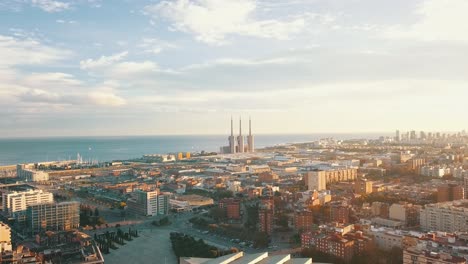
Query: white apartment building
(17, 202)
(397, 212)
(386, 239)
(431, 171)
(445, 217)
(148, 203)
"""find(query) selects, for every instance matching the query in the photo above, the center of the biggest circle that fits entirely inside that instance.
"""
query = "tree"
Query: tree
(283, 220)
(260, 240)
(218, 214)
(96, 212)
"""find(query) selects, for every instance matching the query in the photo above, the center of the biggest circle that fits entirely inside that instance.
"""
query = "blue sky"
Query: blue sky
(96, 67)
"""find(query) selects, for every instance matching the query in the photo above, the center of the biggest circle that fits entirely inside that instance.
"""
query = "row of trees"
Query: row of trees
(108, 240)
(376, 256)
(90, 217)
(187, 246)
(161, 222)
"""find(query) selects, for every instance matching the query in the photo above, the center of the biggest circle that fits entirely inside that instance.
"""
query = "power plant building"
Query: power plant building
(241, 146)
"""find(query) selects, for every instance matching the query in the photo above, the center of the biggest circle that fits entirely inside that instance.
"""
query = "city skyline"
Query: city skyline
(96, 68)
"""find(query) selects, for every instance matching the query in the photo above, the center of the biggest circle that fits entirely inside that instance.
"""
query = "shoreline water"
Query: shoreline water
(101, 148)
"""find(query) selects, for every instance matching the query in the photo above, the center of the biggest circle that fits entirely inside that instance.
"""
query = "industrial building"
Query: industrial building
(240, 147)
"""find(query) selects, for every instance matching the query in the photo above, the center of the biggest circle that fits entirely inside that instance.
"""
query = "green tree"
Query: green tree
(260, 240)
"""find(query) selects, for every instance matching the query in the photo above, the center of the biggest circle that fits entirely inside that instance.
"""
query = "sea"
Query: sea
(99, 149)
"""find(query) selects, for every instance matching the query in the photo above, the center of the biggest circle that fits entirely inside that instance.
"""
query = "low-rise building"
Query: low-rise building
(414, 255)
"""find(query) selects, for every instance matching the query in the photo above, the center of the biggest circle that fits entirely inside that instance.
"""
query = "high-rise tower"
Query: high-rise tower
(397, 136)
(250, 138)
(232, 143)
(240, 138)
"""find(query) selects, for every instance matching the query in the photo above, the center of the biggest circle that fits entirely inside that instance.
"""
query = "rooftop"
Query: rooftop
(242, 258)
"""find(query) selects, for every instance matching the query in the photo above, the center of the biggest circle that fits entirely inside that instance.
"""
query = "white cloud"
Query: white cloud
(440, 20)
(50, 5)
(40, 96)
(103, 61)
(59, 79)
(132, 68)
(155, 46)
(106, 97)
(212, 20)
(113, 67)
(16, 51)
(61, 21)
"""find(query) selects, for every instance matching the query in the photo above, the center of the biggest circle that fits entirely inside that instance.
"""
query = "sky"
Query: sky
(134, 67)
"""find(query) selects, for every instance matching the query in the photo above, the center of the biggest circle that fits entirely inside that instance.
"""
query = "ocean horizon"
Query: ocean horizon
(107, 148)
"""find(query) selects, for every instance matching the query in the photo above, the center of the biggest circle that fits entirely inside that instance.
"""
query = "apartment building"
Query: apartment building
(15, 203)
(445, 217)
(53, 216)
(148, 203)
(265, 219)
(334, 175)
(304, 220)
(450, 192)
(232, 207)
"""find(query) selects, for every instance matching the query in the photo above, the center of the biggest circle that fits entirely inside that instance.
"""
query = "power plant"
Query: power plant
(241, 147)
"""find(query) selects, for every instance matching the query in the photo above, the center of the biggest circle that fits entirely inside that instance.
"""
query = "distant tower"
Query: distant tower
(232, 143)
(240, 138)
(397, 136)
(250, 137)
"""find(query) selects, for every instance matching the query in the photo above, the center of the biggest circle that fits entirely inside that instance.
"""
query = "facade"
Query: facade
(265, 219)
(304, 220)
(363, 186)
(5, 237)
(232, 207)
(414, 255)
(332, 176)
(465, 186)
(450, 192)
(386, 240)
(195, 200)
(380, 209)
(256, 169)
(268, 177)
(148, 203)
(316, 180)
(333, 244)
(406, 213)
(16, 203)
(53, 216)
(339, 213)
(445, 217)
(415, 164)
(28, 173)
